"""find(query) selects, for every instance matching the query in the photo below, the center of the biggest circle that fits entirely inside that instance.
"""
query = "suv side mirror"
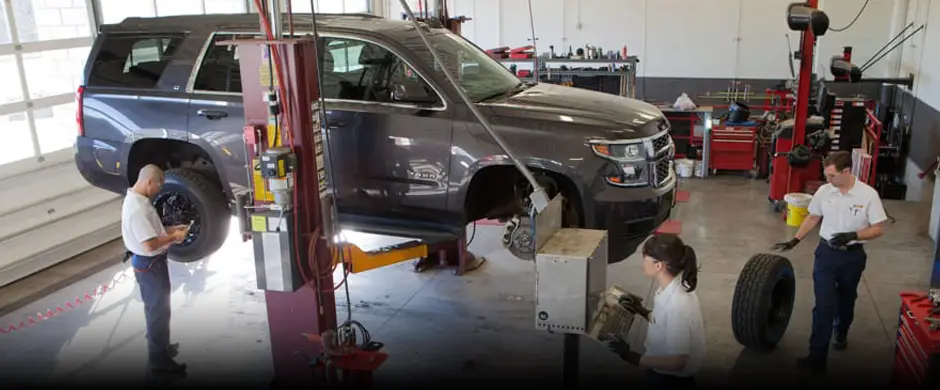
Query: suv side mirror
(410, 91)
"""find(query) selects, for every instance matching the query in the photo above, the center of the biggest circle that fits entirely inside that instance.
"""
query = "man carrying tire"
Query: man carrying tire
(851, 214)
(147, 240)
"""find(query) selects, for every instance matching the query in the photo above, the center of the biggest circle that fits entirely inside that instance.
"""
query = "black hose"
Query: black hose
(853, 20)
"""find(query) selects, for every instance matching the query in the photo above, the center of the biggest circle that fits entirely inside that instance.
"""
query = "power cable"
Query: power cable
(853, 20)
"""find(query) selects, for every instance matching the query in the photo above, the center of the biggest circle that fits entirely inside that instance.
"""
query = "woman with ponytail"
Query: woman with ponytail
(675, 340)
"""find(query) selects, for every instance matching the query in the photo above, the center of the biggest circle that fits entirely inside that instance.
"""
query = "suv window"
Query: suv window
(360, 70)
(219, 70)
(133, 61)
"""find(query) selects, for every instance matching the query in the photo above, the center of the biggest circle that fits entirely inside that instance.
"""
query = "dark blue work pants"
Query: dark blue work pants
(153, 277)
(656, 380)
(836, 274)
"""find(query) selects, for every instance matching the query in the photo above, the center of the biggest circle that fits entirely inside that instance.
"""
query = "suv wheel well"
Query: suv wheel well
(498, 192)
(170, 154)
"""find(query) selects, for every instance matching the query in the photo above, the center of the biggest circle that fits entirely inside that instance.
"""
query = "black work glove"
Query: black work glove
(635, 304)
(842, 239)
(785, 246)
(620, 347)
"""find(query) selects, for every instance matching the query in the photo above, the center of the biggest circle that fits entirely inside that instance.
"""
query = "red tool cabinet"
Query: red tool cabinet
(732, 148)
(917, 349)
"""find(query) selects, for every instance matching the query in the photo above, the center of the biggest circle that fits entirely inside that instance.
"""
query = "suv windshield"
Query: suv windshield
(481, 76)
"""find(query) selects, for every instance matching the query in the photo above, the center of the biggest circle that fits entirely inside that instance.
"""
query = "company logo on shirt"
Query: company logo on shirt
(856, 208)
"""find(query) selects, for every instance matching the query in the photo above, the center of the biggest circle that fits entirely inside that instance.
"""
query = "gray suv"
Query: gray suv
(407, 156)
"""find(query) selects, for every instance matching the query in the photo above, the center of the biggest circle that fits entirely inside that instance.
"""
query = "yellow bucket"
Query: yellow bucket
(797, 208)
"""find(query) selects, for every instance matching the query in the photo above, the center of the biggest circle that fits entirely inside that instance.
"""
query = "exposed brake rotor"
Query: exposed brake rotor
(519, 237)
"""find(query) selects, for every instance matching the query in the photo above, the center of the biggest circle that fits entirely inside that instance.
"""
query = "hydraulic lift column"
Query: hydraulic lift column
(284, 212)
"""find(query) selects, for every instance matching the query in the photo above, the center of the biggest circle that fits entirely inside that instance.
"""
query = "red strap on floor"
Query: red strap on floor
(50, 313)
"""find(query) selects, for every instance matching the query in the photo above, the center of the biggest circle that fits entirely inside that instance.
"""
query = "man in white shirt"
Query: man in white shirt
(851, 214)
(147, 240)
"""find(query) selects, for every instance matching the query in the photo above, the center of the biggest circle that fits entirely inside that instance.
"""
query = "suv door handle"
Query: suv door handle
(335, 123)
(212, 114)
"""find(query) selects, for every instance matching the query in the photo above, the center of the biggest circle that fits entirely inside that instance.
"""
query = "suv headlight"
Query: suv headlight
(628, 161)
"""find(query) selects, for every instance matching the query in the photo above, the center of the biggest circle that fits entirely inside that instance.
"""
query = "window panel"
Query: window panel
(355, 6)
(5, 36)
(114, 11)
(55, 127)
(11, 91)
(329, 6)
(50, 19)
(226, 7)
(301, 6)
(17, 143)
(54, 72)
(220, 71)
(179, 7)
(363, 71)
(133, 61)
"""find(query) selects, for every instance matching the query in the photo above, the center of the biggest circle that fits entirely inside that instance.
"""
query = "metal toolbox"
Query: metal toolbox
(917, 349)
(571, 272)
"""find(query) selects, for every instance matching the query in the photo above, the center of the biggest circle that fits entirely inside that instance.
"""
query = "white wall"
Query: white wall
(675, 38)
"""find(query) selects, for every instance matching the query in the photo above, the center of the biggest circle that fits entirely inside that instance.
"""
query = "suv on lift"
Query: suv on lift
(408, 158)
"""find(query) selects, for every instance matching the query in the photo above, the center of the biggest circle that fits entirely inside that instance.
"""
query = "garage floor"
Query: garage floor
(479, 326)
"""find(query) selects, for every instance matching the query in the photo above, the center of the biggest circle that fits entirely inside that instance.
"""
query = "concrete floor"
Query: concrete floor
(480, 326)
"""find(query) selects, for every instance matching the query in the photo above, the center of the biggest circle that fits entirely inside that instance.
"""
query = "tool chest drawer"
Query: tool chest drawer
(731, 148)
(917, 349)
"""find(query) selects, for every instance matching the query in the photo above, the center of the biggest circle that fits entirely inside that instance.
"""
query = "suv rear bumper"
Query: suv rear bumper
(630, 215)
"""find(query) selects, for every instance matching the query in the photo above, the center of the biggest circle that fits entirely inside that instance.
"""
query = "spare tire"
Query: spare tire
(188, 196)
(763, 301)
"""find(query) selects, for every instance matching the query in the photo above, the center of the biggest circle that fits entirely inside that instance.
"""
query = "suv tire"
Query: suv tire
(189, 196)
(763, 301)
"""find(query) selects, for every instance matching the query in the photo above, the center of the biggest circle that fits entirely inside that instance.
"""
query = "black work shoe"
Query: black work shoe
(840, 344)
(814, 365)
(170, 367)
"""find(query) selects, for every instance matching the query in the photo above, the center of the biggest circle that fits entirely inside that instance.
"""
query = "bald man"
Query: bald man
(147, 240)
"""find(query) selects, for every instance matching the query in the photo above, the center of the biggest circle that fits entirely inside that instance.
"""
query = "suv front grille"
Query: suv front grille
(661, 142)
(661, 167)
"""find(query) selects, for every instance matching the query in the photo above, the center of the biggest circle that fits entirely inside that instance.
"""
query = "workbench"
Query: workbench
(544, 72)
(688, 130)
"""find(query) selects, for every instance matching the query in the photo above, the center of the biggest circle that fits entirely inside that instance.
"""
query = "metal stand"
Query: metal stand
(935, 274)
(572, 357)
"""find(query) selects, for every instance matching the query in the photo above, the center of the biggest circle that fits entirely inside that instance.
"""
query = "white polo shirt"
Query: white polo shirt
(677, 327)
(855, 210)
(139, 223)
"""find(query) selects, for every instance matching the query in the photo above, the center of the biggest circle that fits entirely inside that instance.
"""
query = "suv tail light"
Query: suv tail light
(79, 113)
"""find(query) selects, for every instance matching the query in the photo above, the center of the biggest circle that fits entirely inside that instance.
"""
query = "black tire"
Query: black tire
(189, 196)
(763, 301)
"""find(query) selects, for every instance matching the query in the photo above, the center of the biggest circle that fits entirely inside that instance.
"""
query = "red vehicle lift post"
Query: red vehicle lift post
(288, 215)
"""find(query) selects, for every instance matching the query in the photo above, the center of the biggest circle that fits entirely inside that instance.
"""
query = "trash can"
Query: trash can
(797, 207)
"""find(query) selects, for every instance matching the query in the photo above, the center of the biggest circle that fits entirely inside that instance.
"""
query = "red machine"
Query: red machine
(812, 23)
(917, 349)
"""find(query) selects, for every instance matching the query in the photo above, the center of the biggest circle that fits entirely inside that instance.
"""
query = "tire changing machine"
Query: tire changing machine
(766, 288)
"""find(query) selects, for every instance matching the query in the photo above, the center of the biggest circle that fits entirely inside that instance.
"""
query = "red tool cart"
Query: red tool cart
(731, 148)
(917, 350)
